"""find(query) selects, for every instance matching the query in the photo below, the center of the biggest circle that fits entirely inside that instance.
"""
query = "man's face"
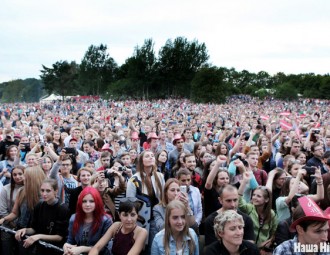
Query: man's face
(318, 151)
(188, 134)
(229, 200)
(162, 135)
(185, 180)
(76, 134)
(252, 160)
(191, 163)
(32, 161)
(295, 148)
(105, 161)
(179, 144)
(126, 160)
(154, 143)
(73, 144)
(87, 148)
(66, 166)
(315, 234)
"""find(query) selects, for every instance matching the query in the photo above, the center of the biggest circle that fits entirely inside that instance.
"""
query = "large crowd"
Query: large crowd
(248, 176)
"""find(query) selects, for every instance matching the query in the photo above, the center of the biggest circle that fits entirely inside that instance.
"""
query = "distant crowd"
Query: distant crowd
(164, 176)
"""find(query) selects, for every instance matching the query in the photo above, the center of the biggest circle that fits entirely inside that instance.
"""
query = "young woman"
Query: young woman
(147, 184)
(7, 200)
(126, 236)
(7, 165)
(171, 192)
(46, 164)
(223, 149)
(50, 221)
(216, 179)
(260, 211)
(229, 228)
(88, 224)
(163, 164)
(57, 142)
(179, 164)
(27, 198)
(177, 237)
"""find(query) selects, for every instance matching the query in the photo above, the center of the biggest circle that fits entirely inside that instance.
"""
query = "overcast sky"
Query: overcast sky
(290, 36)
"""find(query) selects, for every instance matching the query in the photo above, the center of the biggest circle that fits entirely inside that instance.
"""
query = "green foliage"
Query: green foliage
(97, 70)
(208, 86)
(286, 91)
(178, 62)
(61, 79)
(28, 90)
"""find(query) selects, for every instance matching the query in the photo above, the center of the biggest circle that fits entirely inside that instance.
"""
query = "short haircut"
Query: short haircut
(182, 171)
(222, 218)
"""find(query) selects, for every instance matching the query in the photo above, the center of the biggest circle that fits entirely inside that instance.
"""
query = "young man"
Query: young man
(312, 228)
(173, 156)
(228, 198)
(195, 202)
(190, 162)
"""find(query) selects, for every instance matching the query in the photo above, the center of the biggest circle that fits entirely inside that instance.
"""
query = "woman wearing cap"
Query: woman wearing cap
(260, 210)
(229, 229)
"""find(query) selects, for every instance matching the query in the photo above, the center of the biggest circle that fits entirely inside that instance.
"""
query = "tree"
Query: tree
(178, 62)
(286, 91)
(208, 86)
(61, 79)
(97, 70)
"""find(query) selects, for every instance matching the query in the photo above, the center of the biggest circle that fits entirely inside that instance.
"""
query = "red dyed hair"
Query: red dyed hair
(97, 214)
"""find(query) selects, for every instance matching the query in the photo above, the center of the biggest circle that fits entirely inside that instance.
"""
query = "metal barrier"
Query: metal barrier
(44, 244)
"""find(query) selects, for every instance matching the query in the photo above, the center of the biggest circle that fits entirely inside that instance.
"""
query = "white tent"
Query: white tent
(50, 98)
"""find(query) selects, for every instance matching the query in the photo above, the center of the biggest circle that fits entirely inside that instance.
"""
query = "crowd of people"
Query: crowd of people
(164, 177)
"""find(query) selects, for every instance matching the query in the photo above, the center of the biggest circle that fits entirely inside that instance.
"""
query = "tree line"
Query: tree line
(180, 69)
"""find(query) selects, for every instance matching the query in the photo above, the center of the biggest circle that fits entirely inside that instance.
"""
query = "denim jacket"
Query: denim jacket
(158, 248)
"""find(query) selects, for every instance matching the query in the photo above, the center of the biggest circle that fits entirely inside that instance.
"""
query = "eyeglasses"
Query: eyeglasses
(66, 165)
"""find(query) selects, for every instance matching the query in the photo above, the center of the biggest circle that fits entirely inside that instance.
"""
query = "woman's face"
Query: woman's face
(223, 179)
(162, 157)
(129, 219)
(46, 164)
(173, 191)
(32, 142)
(302, 158)
(280, 181)
(88, 204)
(64, 135)
(294, 170)
(133, 154)
(258, 198)
(148, 159)
(223, 150)
(198, 151)
(18, 176)
(232, 233)
(116, 166)
(177, 220)
(48, 193)
(12, 152)
(57, 135)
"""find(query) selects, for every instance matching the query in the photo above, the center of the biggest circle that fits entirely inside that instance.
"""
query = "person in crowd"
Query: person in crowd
(176, 237)
(57, 141)
(162, 163)
(88, 225)
(8, 196)
(84, 176)
(229, 229)
(216, 179)
(64, 178)
(275, 182)
(27, 198)
(147, 183)
(173, 156)
(297, 187)
(171, 191)
(194, 197)
(49, 221)
(7, 165)
(179, 164)
(125, 236)
(223, 149)
(190, 164)
(311, 225)
(46, 164)
(228, 198)
(260, 211)
(8, 140)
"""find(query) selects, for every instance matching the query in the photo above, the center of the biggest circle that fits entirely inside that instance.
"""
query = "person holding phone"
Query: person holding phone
(172, 191)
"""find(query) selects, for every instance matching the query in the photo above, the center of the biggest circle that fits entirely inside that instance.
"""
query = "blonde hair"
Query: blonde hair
(176, 204)
(222, 218)
(34, 177)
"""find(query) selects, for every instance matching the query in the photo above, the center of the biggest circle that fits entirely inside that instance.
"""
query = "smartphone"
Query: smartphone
(183, 189)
